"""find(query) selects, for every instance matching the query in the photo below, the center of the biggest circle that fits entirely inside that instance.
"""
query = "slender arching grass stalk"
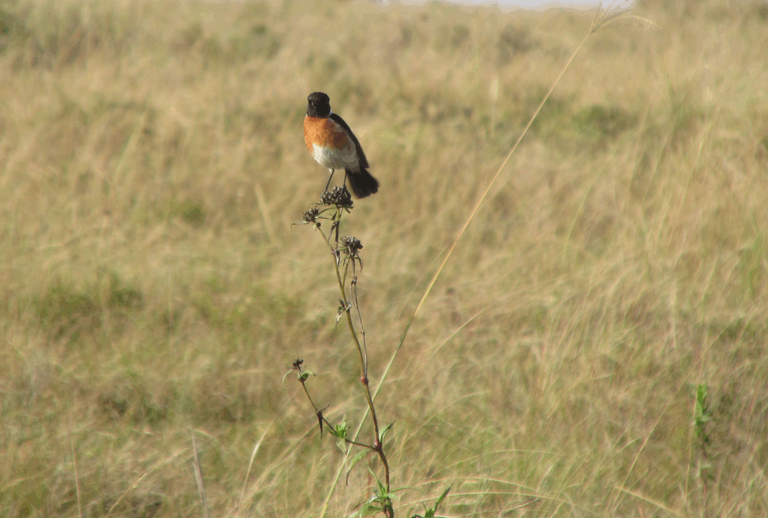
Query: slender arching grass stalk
(602, 18)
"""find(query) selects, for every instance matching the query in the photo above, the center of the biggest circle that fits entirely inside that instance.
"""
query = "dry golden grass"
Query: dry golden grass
(151, 163)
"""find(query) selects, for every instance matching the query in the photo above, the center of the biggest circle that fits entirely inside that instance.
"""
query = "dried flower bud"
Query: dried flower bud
(352, 245)
(340, 197)
(311, 215)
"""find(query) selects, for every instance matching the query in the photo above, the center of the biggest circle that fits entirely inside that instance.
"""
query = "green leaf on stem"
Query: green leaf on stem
(702, 413)
(431, 512)
(340, 430)
(355, 460)
(380, 502)
(384, 431)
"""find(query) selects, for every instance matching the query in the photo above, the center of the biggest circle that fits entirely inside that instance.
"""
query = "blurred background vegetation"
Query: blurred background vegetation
(152, 160)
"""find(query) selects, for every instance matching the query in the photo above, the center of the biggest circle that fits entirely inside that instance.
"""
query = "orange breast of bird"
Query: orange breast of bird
(323, 132)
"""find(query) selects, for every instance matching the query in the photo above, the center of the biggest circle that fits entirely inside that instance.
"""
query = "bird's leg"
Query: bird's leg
(345, 178)
(329, 179)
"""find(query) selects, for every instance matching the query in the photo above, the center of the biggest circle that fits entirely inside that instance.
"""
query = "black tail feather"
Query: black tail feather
(362, 182)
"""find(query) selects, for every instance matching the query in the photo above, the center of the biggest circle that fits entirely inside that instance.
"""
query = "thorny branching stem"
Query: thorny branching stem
(361, 347)
(319, 411)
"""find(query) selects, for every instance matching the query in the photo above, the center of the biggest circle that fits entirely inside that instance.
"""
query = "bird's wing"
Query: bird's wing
(360, 155)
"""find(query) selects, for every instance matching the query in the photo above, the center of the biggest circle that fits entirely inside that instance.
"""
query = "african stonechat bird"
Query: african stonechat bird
(333, 145)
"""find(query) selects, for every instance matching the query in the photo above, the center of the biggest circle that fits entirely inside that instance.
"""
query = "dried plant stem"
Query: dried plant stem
(119, 500)
(77, 479)
(253, 456)
(360, 346)
(199, 478)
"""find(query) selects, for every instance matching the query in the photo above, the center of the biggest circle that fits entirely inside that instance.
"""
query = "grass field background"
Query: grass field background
(151, 286)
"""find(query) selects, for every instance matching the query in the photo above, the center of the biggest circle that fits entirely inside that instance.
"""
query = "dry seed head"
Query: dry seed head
(352, 245)
(311, 215)
(340, 197)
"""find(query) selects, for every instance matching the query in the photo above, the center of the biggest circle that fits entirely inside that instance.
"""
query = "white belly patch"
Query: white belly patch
(335, 158)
